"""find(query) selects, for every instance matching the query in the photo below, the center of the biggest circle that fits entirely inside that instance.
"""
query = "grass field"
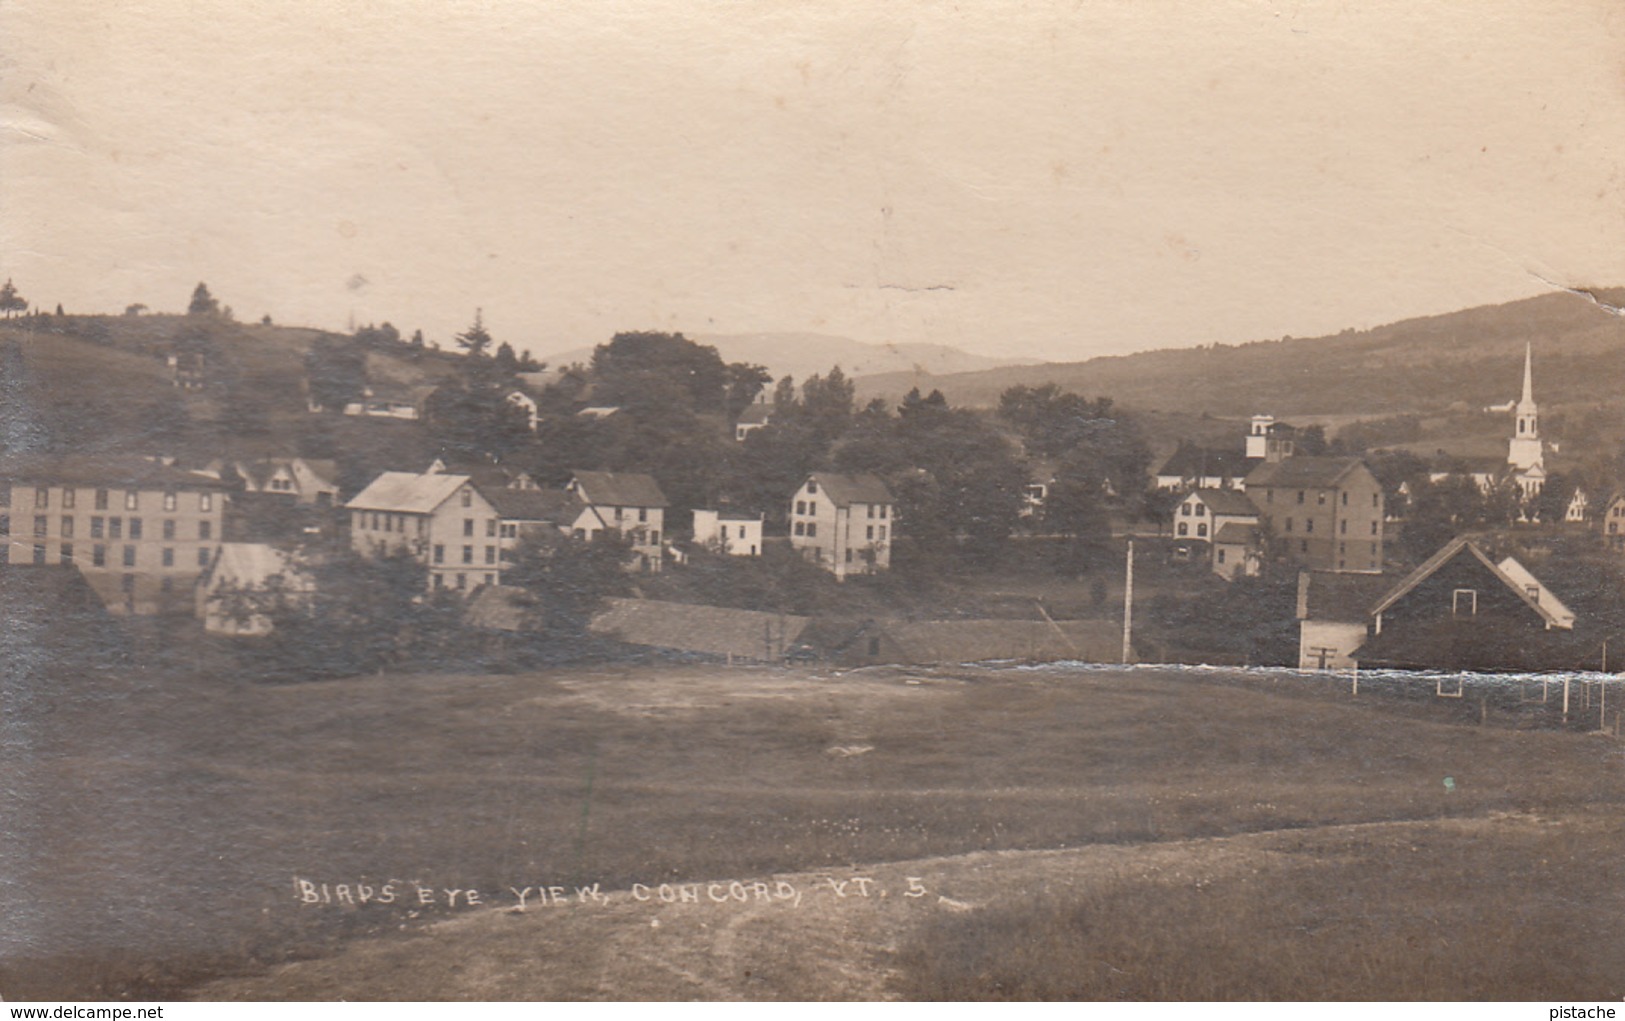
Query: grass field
(1093, 834)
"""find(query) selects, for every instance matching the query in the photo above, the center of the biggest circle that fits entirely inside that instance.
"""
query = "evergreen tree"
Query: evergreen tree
(476, 338)
(10, 301)
(203, 303)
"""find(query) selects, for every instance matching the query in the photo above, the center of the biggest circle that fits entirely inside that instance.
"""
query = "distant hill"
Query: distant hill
(1465, 359)
(803, 354)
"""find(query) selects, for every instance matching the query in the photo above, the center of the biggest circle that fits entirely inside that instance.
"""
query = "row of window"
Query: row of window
(468, 554)
(1320, 497)
(98, 555)
(132, 498)
(1342, 526)
(104, 528)
(876, 510)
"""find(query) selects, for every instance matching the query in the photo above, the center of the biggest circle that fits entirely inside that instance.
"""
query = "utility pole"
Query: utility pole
(1128, 606)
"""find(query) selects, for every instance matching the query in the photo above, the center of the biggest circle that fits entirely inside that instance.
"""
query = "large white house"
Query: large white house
(843, 523)
(440, 518)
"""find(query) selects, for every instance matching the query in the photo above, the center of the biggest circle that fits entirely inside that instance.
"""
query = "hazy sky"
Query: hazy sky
(1038, 178)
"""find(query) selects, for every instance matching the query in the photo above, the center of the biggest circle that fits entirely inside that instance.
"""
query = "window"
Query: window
(98, 555)
(468, 556)
(1184, 510)
(812, 528)
(1342, 548)
(169, 529)
(439, 553)
(1221, 554)
(67, 499)
(39, 553)
(203, 557)
(654, 538)
(67, 526)
(101, 499)
(5, 494)
(468, 501)
(1201, 530)
(67, 553)
(40, 523)
(1464, 602)
(490, 554)
(205, 530)
(169, 557)
(871, 532)
(1343, 527)
(42, 496)
(400, 522)
(135, 528)
(1184, 528)
(468, 527)
(1300, 496)
(5, 524)
(882, 533)
(490, 528)
(462, 582)
(129, 556)
(643, 515)
(882, 512)
(801, 506)
(1308, 524)
(1303, 547)
(871, 510)
(1201, 510)
(205, 501)
(801, 528)
(1345, 498)
(1376, 499)
(132, 500)
(1533, 592)
(510, 531)
(169, 500)
(1289, 524)
(1373, 528)
(1320, 498)
(115, 528)
(812, 488)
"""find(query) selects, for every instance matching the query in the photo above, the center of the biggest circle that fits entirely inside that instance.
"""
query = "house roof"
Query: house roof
(407, 492)
(1543, 595)
(619, 489)
(1229, 502)
(550, 505)
(688, 627)
(1190, 462)
(94, 470)
(1235, 533)
(846, 490)
(755, 414)
(1303, 472)
(1450, 551)
(252, 564)
(1339, 596)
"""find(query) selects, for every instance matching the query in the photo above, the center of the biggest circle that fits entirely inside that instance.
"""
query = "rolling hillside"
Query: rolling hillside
(1465, 359)
(803, 354)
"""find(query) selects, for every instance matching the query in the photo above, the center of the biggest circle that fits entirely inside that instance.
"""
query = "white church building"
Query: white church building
(1526, 453)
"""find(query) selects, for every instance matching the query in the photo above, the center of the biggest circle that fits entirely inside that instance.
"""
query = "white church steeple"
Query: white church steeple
(1525, 451)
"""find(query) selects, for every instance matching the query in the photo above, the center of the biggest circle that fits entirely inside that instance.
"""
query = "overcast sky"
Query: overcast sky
(1039, 178)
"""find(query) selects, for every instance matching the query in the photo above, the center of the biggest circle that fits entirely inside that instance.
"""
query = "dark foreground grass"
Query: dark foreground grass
(1494, 912)
(155, 826)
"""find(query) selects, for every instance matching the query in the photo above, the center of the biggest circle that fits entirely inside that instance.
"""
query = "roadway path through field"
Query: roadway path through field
(827, 940)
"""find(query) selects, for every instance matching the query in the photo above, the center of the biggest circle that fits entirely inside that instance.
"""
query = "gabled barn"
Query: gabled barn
(1461, 610)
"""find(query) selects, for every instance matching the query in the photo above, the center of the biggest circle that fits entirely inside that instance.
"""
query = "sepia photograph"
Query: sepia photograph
(704, 500)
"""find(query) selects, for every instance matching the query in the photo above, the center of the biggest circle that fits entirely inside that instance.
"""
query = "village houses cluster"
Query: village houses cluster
(148, 537)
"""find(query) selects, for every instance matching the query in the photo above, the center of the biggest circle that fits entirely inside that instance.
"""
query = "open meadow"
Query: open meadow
(701, 832)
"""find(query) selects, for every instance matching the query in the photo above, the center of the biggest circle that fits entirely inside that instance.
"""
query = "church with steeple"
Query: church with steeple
(1526, 453)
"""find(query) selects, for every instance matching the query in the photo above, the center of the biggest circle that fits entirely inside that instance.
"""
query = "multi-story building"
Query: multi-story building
(630, 503)
(141, 532)
(441, 518)
(737, 535)
(843, 523)
(1326, 512)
